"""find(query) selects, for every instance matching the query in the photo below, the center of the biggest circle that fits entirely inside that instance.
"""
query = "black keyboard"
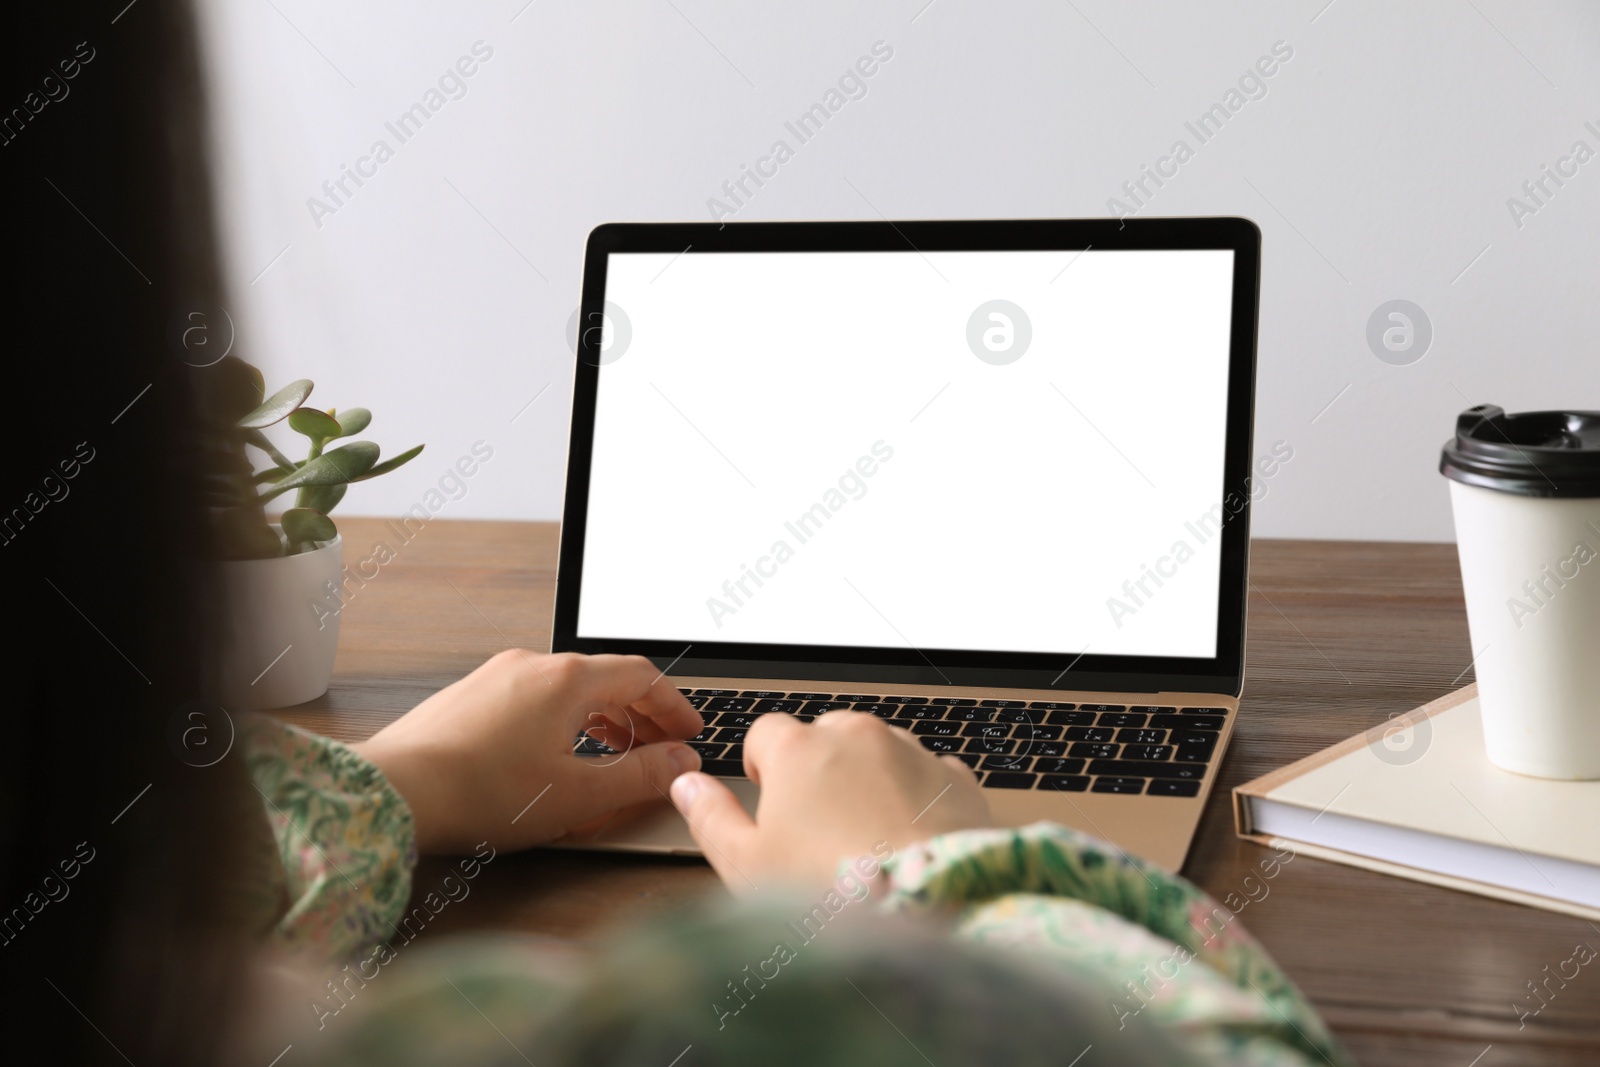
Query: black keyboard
(1009, 744)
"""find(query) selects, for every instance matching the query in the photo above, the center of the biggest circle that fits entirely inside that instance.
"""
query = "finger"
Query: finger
(635, 683)
(908, 737)
(959, 766)
(621, 728)
(640, 772)
(766, 736)
(611, 732)
(720, 826)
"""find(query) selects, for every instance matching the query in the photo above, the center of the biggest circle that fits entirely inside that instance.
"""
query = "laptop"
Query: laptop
(986, 480)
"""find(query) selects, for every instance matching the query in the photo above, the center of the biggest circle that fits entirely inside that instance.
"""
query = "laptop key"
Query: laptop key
(904, 724)
(1086, 750)
(730, 704)
(1064, 783)
(1119, 785)
(971, 759)
(817, 707)
(1141, 737)
(1009, 780)
(1205, 711)
(1172, 787)
(1144, 769)
(707, 749)
(1147, 752)
(763, 694)
(774, 704)
(1188, 722)
(856, 698)
(1152, 709)
(1103, 707)
(716, 692)
(1031, 716)
(918, 711)
(1030, 732)
(1002, 703)
(722, 768)
(704, 735)
(1007, 763)
(1207, 738)
(810, 696)
(941, 745)
(731, 735)
(588, 746)
(936, 728)
(737, 718)
(1059, 766)
(954, 701)
(986, 729)
(990, 746)
(1092, 733)
(734, 753)
(697, 702)
(905, 700)
(882, 711)
(1071, 718)
(971, 715)
(1042, 748)
(1120, 719)
(1052, 705)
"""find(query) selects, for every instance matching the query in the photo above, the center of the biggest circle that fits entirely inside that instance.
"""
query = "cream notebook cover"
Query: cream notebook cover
(1417, 797)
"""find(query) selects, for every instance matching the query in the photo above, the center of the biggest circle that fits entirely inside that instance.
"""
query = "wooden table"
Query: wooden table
(1341, 635)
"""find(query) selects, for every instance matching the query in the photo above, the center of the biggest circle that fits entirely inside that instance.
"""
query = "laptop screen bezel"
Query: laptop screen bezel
(1222, 673)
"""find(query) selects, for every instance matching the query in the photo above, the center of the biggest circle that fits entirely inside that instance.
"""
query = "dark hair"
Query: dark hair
(112, 847)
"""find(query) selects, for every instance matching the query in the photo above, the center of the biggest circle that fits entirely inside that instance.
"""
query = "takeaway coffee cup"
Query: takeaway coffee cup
(1525, 490)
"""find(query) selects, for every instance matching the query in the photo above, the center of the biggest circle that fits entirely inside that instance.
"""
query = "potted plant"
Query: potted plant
(280, 641)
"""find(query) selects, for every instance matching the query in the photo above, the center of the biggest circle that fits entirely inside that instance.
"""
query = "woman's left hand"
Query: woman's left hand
(491, 756)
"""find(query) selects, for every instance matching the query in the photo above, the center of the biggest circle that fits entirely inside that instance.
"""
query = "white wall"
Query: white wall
(1378, 164)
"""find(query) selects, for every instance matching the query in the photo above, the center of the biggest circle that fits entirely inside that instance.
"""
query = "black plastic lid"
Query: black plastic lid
(1537, 453)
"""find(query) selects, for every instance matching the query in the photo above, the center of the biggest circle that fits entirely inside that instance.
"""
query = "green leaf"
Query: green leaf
(277, 406)
(241, 534)
(259, 439)
(353, 421)
(305, 525)
(322, 497)
(341, 465)
(226, 490)
(228, 390)
(317, 425)
(390, 464)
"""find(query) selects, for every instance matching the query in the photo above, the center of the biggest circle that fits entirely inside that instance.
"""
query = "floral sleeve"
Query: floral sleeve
(344, 838)
(1162, 946)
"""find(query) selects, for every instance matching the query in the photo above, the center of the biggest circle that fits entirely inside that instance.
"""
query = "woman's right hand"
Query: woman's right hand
(846, 786)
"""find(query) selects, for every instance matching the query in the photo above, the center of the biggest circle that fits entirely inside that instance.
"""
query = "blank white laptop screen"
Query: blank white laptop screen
(989, 451)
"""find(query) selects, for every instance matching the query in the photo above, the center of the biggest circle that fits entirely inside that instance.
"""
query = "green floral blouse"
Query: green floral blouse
(1074, 944)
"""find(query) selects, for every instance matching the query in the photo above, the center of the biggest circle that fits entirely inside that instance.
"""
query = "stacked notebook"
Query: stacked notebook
(1417, 797)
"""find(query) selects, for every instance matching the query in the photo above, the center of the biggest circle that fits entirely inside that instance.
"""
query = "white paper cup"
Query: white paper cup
(1525, 490)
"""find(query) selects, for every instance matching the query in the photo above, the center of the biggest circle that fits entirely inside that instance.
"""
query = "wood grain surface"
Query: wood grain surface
(1342, 635)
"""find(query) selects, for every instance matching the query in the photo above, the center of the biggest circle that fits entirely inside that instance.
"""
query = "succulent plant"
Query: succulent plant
(237, 493)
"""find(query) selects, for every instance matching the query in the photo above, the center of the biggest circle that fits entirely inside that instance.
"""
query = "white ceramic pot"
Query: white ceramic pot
(281, 637)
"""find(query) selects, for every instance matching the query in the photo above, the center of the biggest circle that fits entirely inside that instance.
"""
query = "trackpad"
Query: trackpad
(654, 826)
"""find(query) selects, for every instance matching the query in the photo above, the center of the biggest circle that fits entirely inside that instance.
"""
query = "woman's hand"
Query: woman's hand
(491, 757)
(847, 786)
